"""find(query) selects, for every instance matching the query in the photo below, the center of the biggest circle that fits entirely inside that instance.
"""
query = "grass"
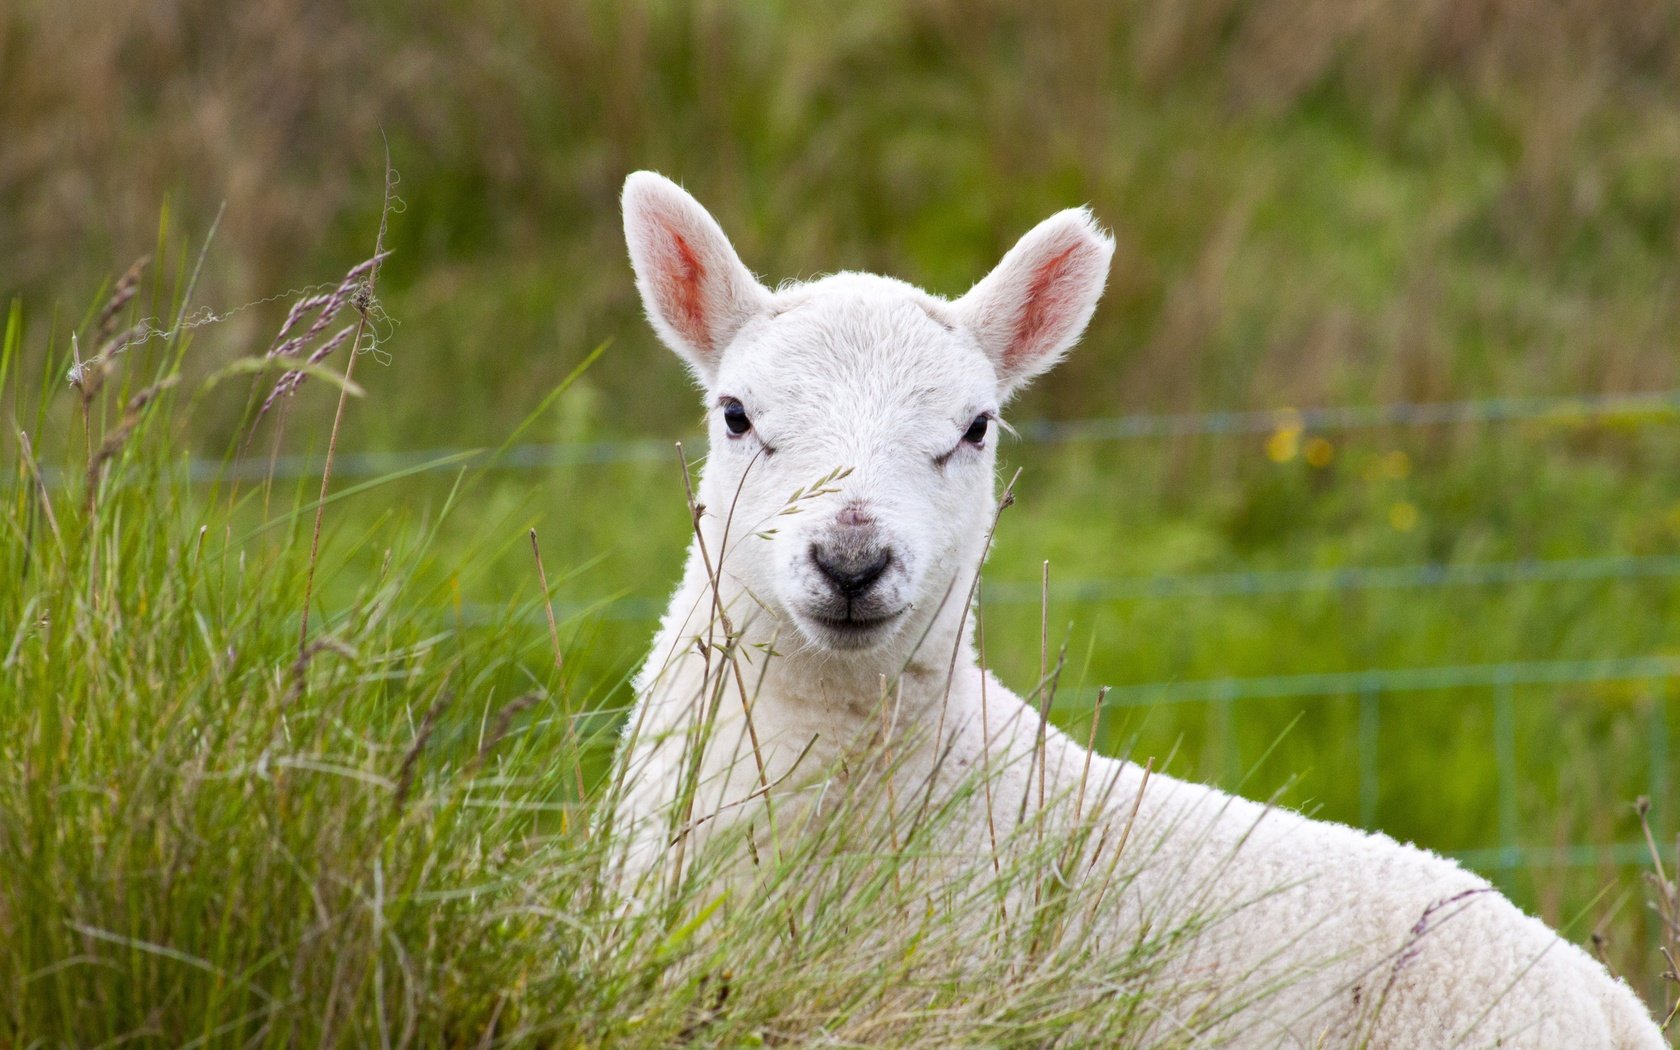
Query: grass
(387, 832)
(219, 835)
(1314, 205)
(1396, 204)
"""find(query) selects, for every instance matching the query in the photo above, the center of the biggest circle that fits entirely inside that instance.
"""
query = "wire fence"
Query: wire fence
(1376, 689)
(1632, 408)
(1349, 579)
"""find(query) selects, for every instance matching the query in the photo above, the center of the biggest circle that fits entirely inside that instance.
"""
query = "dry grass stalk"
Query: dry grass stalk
(986, 732)
(300, 667)
(1046, 695)
(1665, 901)
(548, 604)
(355, 289)
(118, 436)
(405, 774)
(1043, 674)
(105, 325)
(694, 745)
(750, 797)
(504, 722)
(889, 725)
(89, 376)
(1120, 846)
(1004, 502)
(364, 276)
(1090, 749)
(714, 574)
(43, 498)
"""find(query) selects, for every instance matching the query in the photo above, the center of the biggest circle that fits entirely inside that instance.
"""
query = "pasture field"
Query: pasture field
(1461, 631)
(218, 832)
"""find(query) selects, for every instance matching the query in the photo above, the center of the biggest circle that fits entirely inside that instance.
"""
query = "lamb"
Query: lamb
(880, 404)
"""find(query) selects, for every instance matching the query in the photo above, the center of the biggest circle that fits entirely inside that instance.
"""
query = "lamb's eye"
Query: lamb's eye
(976, 430)
(735, 417)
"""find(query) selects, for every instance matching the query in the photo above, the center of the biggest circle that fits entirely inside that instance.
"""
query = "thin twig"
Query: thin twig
(300, 667)
(985, 725)
(1044, 624)
(714, 574)
(986, 748)
(755, 793)
(326, 482)
(1048, 692)
(1090, 749)
(1004, 502)
(1665, 902)
(889, 725)
(1046, 695)
(1125, 836)
(695, 744)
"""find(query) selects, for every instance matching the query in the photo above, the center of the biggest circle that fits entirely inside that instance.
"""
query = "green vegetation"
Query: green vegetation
(390, 831)
(1316, 204)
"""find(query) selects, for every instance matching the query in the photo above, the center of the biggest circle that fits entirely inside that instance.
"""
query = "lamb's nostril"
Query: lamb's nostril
(851, 576)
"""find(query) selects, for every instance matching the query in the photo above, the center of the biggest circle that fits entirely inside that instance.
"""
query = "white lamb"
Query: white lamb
(1361, 939)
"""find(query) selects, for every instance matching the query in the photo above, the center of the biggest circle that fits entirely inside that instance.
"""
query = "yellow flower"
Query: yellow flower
(1319, 453)
(1403, 515)
(1283, 445)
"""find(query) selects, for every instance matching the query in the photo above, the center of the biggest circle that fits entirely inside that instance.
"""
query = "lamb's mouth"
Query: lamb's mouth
(853, 631)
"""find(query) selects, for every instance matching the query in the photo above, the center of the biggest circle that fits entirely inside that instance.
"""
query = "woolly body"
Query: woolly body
(1333, 936)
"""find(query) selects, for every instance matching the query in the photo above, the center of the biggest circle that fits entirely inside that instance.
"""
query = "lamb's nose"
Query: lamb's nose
(851, 573)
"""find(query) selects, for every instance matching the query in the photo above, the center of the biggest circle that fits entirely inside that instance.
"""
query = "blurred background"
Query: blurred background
(1363, 488)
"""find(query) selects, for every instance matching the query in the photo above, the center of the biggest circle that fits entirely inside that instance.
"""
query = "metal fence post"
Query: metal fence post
(1505, 755)
(1370, 697)
(1662, 800)
(1230, 765)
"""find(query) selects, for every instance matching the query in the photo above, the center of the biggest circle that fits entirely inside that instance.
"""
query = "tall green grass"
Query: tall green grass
(387, 832)
(1316, 203)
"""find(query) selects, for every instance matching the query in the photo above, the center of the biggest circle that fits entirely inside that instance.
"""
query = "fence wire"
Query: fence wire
(1374, 688)
(1633, 408)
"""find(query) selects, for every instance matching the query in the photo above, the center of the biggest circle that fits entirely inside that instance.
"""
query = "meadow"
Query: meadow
(1456, 625)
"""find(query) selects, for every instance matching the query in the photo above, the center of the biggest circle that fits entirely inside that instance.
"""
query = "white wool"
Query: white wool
(1366, 941)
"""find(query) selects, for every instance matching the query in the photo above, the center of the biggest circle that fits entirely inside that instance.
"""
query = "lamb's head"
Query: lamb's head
(853, 419)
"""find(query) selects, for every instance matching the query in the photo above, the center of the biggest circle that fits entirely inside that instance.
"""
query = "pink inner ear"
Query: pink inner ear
(680, 287)
(1043, 308)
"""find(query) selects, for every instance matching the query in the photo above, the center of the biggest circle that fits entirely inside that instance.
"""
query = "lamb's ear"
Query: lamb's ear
(695, 289)
(1032, 308)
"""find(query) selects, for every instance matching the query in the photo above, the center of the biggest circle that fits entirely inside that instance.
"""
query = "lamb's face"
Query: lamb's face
(853, 420)
(853, 431)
